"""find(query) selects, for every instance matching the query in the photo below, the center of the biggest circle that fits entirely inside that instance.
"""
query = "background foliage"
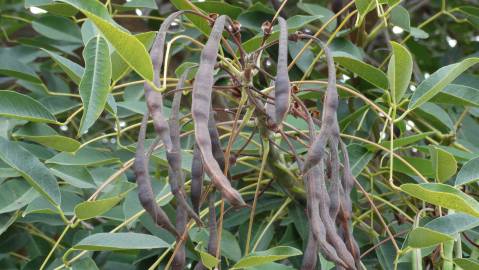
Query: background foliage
(72, 74)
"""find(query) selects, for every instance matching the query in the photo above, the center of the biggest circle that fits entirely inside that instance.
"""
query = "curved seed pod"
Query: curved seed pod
(202, 89)
(197, 176)
(213, 231)
(346, 210)
(175, 175)
(325, 203)
(212, 226)
(145, 191)
(329, 117)
(310, 256)
(154, 99)
(317, 225)
(282, 86)
(218, 153)
(335, 181)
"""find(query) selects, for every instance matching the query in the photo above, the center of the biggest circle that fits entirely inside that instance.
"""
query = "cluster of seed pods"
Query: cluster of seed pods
(327, 194)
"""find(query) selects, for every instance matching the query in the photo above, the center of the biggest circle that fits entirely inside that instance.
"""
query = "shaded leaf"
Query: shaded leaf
(43, 134)
(57, 28)
(399, 71)
(438, 81)
(19, 106)
(83, 157)
(267, 256)
(422, 237)
(120, 241)
(469, 173)
(35, 172)
(367, 72)
(72, 69)
(95, 83)
(443, 164)
(444, 196)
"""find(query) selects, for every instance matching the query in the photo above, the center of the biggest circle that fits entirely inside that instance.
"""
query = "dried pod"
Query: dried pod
(202, 89)
(145, 191)
(282, 86)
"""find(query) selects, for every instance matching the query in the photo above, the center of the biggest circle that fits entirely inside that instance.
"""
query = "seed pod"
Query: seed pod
(197, 176)
(202, 89)
(282, 86)
(218, 153)
(175, 176)
(310, 256)
(145, 191)
(329, 117)
(346, 210)
(154, 99)
(213, 232)
(317, 225)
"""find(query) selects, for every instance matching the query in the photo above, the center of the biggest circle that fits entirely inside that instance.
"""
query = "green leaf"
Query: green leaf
(72, 69)
(128, 47)
(7, 220)
(443, 164)
(208, 260)
(52, 7)
(359, 157)
(294, 23)
(438, 81)
(468, 264)
(436, 116)
(11, 66)
(457, 94)
(218, 7)
(404, 141)
(400, 17)
(19, 106)
(418, 33)
(94, 7)
(267, 256)
(95, 83)
(443, 195)
(41, 206)
(200, 23)
(229, 244)
(43, 134)
(15, 194)
(57, 28)
(119, 67)
(83, 157)
(369, 73)
(364, 7)
(422, 165)
(77, 176)
(35, 172)
(423, 237)
(452, 224)
(91, 209)
(120, 241)
(399, 71)
(315, 9)
(469, 173)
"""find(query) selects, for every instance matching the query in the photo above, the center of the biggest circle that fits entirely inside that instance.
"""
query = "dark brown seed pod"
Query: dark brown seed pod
(175, 175)
(145, 191)
(329, 125)
(197, 176)
(202, 89)
(282, 86)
